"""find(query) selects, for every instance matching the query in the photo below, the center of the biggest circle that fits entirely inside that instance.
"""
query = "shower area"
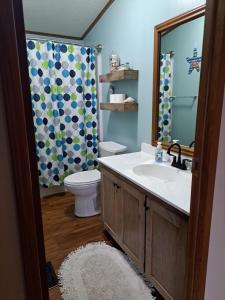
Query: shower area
(64, 105)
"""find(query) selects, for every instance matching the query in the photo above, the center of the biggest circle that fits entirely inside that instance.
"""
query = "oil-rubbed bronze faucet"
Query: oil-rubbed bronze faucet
(177, 160)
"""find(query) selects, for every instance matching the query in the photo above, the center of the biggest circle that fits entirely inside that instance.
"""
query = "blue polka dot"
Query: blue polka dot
(92, 58)
(60, 157)
(76, 147)
(56, 171)
(90, 162)
(81, 125)
(60, 104)
(48, 151)
(31, 45)
(79, 81)
(83, 50)
(55, 113)
(39, 121)
(89, 124)
(83, 66)
(57, 56)
(34, 71)
(88, 82)
(54, 97)
(70, 160)
(43, 166)
(165, 117)
(74, 104)
(71, 57)
(51, 128)
(65, 73)
(58, 143)
(68, 119)
(59, 97)
(38, 55)
(51, 64)
(46, 81)
(57, 47)
(43, 105)
(49, 46)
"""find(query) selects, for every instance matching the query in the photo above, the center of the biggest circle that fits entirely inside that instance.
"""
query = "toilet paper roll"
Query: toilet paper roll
(117, 98)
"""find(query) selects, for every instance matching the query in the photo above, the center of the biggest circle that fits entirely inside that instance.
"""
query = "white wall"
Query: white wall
(215, 281)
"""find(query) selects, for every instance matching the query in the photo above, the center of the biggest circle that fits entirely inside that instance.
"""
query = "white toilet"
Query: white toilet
(86, 185)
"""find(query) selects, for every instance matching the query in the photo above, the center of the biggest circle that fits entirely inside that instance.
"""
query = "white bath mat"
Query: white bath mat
(100, 272)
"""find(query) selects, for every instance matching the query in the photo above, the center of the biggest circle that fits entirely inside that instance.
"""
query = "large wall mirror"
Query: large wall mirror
(177, 68)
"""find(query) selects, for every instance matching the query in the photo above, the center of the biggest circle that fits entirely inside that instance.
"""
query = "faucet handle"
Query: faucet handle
(183, 165)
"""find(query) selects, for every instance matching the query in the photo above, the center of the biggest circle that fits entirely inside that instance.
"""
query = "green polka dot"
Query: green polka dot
(53, 89)
(94, 130)
(88, 75)
(76, 140)
(90, 156)
(50, 113)
(42, 97)
(82, 152)
(78, 66)
(81, 111)
(93, 89)
(70, 48)
(54, 157)
(38, 46)
(88, 117)
(59, 89)
(73, 96)
(45, 64)
(47, 144)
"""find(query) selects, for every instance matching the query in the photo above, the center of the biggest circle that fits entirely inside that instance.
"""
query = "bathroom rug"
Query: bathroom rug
(100, 272)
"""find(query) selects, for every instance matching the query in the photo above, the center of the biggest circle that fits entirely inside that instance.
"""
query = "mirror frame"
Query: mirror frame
(174, 22)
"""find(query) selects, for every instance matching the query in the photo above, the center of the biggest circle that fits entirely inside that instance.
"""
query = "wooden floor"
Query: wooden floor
(63, 232)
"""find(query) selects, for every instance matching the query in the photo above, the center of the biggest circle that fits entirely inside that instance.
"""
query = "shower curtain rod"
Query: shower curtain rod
(98, 47)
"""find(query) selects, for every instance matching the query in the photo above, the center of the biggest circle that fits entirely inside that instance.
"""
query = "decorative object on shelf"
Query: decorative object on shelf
(129, 100)
(114, 62)
(125, 66)
(194, 61)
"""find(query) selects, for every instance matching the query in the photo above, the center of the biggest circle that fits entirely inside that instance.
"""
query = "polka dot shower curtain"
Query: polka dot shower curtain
(165, 98)
(63, 92)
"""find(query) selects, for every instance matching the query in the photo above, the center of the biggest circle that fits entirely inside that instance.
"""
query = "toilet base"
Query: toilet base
(87, 206)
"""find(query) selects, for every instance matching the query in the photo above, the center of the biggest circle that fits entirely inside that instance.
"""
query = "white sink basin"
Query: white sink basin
(158, 172)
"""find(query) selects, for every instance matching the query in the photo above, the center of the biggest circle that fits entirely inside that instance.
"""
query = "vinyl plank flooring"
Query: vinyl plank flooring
(64, 232)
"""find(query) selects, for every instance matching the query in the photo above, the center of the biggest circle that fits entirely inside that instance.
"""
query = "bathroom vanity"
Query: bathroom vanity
(151, 229)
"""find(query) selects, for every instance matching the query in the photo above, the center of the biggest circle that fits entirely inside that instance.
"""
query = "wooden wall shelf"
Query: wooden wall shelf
(119, 75)
(119, 107)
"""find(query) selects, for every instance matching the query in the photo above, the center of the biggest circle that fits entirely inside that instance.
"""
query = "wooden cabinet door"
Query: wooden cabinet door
(112, 204)
(133, 230)
(166, 239)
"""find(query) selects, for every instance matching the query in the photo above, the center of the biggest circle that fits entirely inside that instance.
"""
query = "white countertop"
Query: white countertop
(176, 193)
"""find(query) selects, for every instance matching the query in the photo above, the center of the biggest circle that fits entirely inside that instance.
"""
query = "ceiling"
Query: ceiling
(62, 17)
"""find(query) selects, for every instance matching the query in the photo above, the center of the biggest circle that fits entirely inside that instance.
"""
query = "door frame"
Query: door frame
(19, 122)
(13, 69)
(211, 100)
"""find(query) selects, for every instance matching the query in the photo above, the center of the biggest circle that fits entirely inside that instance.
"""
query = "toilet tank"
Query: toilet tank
(111, 148)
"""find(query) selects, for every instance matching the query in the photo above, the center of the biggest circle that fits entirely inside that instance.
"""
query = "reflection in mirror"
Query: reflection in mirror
(180, 65)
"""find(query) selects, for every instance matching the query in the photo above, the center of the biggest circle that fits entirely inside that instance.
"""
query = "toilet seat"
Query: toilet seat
(83, 178)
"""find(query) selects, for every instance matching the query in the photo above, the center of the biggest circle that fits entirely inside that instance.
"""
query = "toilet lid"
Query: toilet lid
(82, 178)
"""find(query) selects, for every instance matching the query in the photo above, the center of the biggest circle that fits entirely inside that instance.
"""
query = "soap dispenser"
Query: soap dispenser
(159, 152)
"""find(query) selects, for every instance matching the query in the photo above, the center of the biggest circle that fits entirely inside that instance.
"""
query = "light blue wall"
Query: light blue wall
(128, 29)
(182, 40)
